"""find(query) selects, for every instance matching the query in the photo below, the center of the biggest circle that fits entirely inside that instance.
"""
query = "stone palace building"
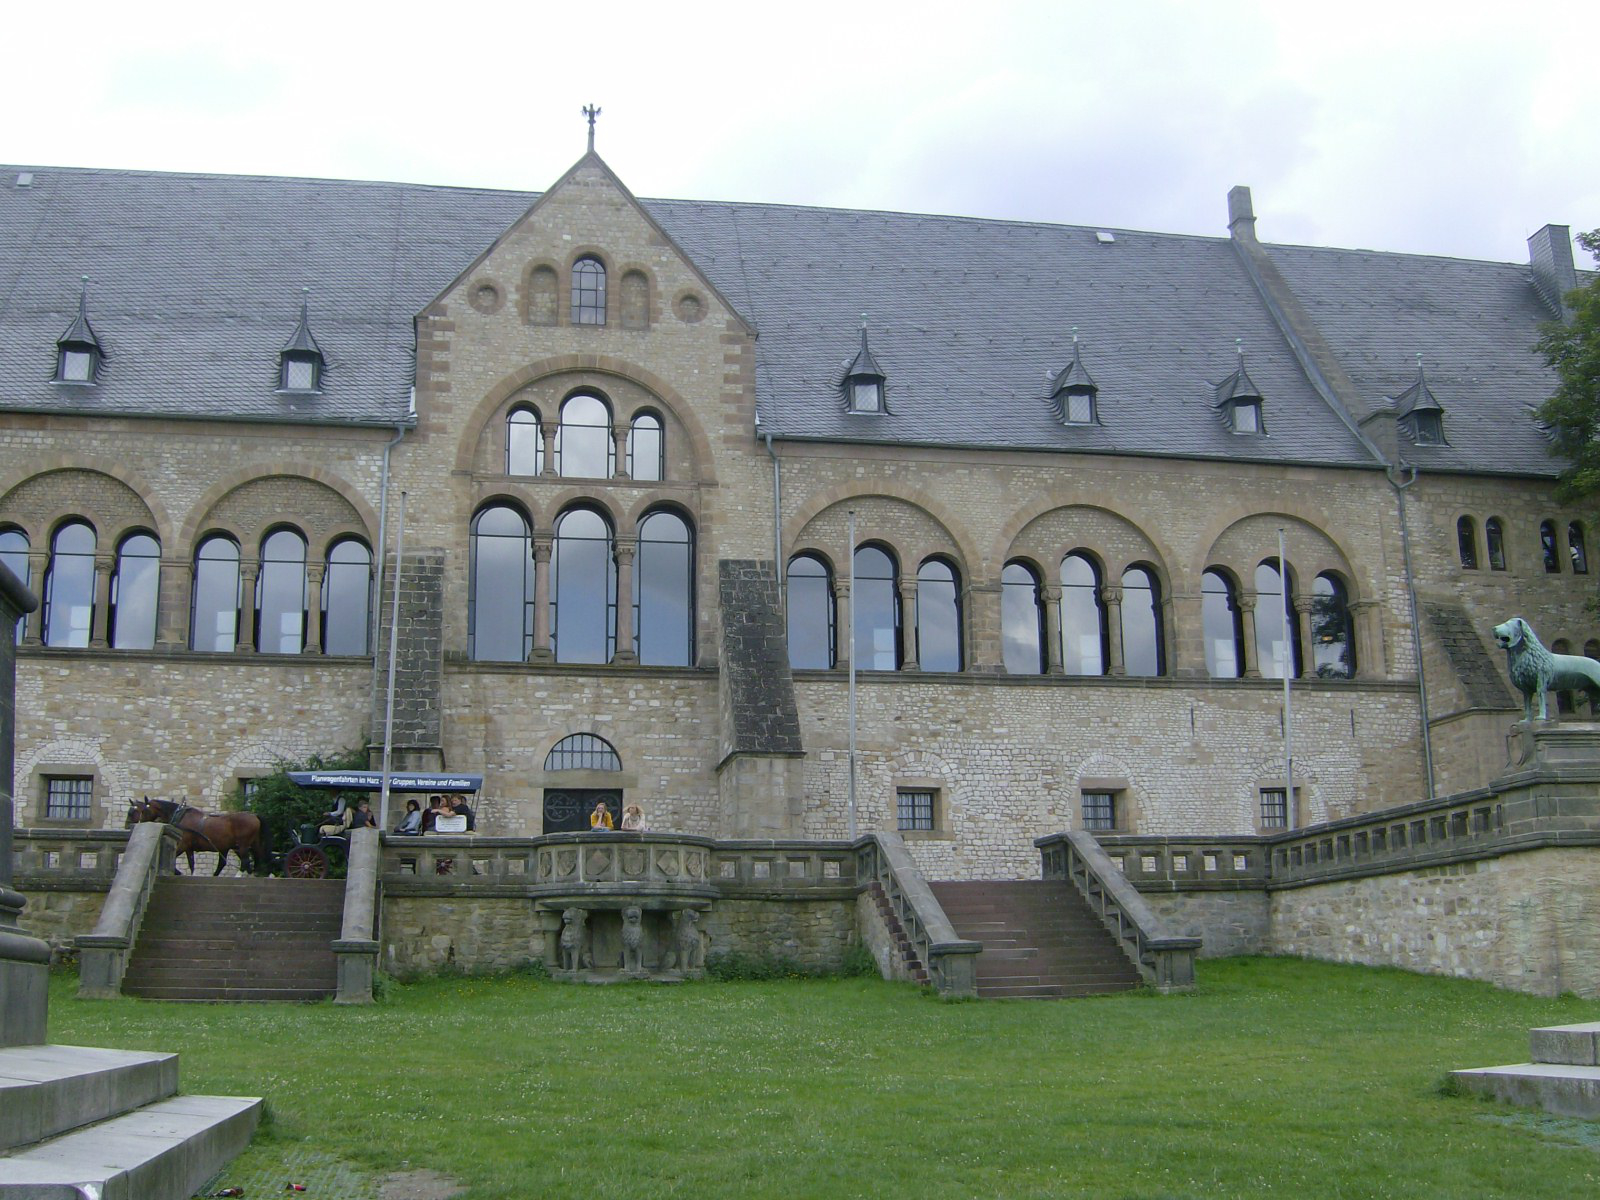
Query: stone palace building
(632, 436)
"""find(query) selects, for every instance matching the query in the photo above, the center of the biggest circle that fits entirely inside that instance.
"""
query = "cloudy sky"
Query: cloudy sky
(1453, 128)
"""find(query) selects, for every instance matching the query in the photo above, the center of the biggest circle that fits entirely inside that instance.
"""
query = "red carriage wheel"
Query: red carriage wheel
(305, 862)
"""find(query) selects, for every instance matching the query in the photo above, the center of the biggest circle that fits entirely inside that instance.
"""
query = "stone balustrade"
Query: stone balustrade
(1160, 864)
(72, 860)
(950, 959)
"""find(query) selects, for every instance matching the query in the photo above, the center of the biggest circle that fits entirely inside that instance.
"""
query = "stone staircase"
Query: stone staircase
(913, 965)
(1039, 939)
(1563, 1078)
(237, 939)
(78, 1123)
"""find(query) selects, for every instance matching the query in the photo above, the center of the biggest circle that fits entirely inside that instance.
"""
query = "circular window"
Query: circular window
(689, 308)
(485, 297)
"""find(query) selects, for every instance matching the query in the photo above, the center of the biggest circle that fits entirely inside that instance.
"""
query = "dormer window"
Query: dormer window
(1241, 402)
(1246, 416)
(864, 381)
(1419, 412)
(300, 362)
(1075, 392)
(1427, 429)
(78, 350)
(77, 366)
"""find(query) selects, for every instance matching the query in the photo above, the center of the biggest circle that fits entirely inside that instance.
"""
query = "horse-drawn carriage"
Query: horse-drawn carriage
(308, 857)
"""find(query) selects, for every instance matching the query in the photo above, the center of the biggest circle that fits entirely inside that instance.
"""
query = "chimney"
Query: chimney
(1241, 215)
(1550, 253)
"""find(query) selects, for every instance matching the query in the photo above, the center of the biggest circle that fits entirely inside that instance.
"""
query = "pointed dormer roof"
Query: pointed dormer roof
(1238, 386)
(80, 332)
(1418, 397)
(863, 365)
(1074, 375)
(301, 341)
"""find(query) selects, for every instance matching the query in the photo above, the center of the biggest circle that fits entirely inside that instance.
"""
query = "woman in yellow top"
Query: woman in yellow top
(600, 818)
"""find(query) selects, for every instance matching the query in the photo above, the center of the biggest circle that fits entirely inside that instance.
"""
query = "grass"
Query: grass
(1276, 1078)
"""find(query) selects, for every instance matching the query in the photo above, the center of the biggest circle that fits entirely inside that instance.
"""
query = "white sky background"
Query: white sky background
(1441, 128)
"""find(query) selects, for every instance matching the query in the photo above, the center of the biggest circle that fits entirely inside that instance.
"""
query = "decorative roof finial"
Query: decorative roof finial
(1239, 345)
(1074, 335)
(591, 111)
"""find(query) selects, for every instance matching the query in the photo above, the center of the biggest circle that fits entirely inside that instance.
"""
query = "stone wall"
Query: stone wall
(58, 917)
(814, 933)
(1227, 923)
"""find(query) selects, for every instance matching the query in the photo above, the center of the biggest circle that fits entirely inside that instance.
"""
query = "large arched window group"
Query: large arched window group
(582, 442)
(295, 605)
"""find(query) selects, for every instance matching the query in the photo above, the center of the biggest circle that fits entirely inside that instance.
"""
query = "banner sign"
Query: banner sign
(399, 781)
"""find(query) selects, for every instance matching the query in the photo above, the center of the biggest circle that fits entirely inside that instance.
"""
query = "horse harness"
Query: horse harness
(176, 821)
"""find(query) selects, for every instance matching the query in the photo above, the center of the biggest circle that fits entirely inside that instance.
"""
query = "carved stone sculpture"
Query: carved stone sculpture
(575, 940)
(1535, 670)
(632, 941)
(686, 952)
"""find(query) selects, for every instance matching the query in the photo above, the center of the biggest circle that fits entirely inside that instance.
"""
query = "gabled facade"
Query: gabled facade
(630, 446)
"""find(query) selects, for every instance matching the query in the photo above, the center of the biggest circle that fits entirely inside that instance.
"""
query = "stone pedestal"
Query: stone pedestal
(24, 960)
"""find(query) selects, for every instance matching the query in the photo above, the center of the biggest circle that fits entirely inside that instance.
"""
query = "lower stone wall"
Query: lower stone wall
(58, 917)
(875, 936)
(814, 933)
(1526, 921)
(1227, 923)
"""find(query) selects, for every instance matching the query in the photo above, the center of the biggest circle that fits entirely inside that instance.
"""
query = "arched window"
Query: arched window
(1083, 617)
(663, 592)
(585, 448)
(1272, 657)
(14, 553)
(214, 616)
(1549, 547)
(1495, 539)
(582, 752)
(583, 588)
(524, 443)
(1222, 625)
(588, 292)
(281, 594)
(877, 610)
(135, 589)
(1575, 547)
(1021, 620)
(810, 606)
(347, 598)
(1467, 543)
(645, 448)
(1142, 651)
(500, 594)
(938, 617)
(69, 586)
(1333, 642)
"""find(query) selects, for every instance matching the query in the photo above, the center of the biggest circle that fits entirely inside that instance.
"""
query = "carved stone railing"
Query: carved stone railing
(67, 860)
(1166, 961)
(356, 950)
(951, 960)
(103, 953)
(1180, 864)
(774, 869)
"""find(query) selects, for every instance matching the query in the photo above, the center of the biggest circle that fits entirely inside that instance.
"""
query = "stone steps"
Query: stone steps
(908, 954)
(1562, 1078)
(1039, 939)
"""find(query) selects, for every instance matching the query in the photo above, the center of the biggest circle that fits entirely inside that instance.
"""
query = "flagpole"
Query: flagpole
(852, 644)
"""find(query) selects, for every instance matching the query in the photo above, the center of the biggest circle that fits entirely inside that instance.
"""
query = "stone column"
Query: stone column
(619, 440)
(908, 623)
(100, 619)
(541, 651)
(244, 636)
(1111, 597)
(547, 431)
(984, 629)
(1052, 630)
(38, 564)
(842, 642)
(1308, 650)
(1183, 620)
(313, 640)
(1364, 618)
(1250, 669)
(625, 653)
(172, 613)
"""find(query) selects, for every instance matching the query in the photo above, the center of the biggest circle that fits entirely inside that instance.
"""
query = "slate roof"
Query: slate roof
(196, 284)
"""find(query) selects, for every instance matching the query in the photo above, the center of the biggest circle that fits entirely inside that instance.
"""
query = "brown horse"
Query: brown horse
(238, 832)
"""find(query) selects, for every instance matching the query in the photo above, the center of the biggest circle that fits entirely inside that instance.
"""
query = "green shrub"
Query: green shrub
(283, 804)
(858, 962)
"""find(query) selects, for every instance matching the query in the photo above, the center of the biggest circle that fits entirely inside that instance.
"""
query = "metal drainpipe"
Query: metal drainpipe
(383, 534)
(777, 520)
(1410, 473)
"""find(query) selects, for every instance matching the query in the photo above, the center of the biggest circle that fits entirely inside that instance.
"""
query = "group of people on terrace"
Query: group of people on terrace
(601, 818)
(444, 814)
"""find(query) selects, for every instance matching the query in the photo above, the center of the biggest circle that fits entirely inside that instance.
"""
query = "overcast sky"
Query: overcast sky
(1452, 129)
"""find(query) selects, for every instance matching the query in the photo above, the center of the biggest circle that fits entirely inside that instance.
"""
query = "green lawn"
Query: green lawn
(1276, 1078)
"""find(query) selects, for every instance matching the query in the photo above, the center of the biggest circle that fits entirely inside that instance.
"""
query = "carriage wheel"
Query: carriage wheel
(305, 862)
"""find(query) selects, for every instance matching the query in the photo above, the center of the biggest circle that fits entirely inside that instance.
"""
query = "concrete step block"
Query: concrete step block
(1576, 1045)
(47, 1090)
(1560, 1088)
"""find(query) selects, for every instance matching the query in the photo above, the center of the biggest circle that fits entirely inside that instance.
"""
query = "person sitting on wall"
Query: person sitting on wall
(633, 817)
(412, 821)
(363, 818)
(458, 805)
(434, 810)
(600, 818)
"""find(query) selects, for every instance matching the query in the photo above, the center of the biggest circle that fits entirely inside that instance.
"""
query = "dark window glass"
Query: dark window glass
(645, 448)
(1494, 535)
(582, 752)
(914, 810)
(1272, 657)
(938, 617)
(1427, 428)
(1547, 543)
(588, 292)
(524, 443)
(1467, 543)
(585, 448)
(214, 622)
(1100, 811)
(1021, 620)
(67, 797)
(583, 589)
(500, 597)
(1142, 652)
(1223, 626)
(14, 553)
(347, 598)
(1083, 618)
(281, 594)
(134, 591)
(1575, 547)
(69, 586)
(1332, 629)
(1274, 809)
(811, 613)
(877, 611)
(663, 592)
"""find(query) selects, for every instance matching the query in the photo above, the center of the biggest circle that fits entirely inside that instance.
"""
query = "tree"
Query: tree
(283, 804)
(1573, 414)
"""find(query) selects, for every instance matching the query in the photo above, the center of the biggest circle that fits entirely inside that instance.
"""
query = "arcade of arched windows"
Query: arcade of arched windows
(584, 432)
